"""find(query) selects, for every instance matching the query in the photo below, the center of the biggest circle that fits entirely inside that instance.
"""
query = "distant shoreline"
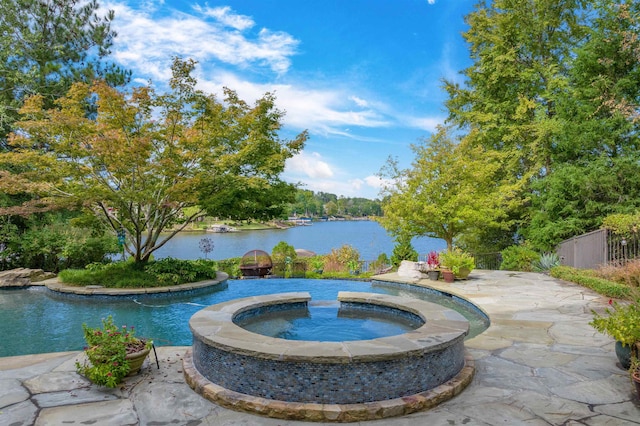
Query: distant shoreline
(258, 226)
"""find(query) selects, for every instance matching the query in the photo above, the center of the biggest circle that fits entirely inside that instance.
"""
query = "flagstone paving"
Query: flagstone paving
(539, 363)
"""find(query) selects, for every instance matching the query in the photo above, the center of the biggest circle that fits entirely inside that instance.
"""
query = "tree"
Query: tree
(144, 157)
(403, 250)
(554, 87)
(520, 52)
(47, 45)
(449, 190)
(577, 197)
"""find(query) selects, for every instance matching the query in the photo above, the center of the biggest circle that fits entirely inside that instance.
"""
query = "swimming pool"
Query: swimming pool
(37, 320)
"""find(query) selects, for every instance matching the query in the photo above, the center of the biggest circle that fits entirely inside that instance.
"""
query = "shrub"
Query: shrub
(158, 273)
(317, 263)
(403, 250)
(628, 274)
(230, 266)
(60, 246)
(546, 262)
(518, 258)
(282, 251)
(381, 263)
(586, 278)
(622, 322)
(170, 271)
(339, 258)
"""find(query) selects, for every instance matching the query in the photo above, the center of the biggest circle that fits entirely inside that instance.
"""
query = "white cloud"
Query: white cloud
(376, 181)
(320, 111)
(225, 16)
(147, 43)
(310, 165)
(358, 101)
(356, 184)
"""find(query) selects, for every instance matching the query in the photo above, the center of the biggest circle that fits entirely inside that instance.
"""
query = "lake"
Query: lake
(368, 237)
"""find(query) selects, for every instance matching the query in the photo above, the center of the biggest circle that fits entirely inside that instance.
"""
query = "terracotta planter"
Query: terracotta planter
(136, 360)
(448, 276)
(635, 377)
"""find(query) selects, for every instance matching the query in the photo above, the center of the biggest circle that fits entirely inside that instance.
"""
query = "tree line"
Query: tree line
(317, 204)
(541, 139)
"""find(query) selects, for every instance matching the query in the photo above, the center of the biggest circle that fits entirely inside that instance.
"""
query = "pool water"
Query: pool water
(37, 320)
(327, 322)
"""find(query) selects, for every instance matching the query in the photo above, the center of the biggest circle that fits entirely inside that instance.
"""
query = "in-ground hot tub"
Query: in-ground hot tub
(328, 381)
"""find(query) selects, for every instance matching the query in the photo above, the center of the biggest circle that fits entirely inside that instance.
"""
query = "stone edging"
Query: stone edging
(340, 413)
(57, 286)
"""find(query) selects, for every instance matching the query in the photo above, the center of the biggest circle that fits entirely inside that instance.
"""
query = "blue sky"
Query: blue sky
(362, 76)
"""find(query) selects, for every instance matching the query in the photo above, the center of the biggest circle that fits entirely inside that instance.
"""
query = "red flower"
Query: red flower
(610, 301)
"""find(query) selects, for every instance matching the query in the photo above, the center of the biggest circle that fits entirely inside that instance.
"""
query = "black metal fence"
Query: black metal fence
(490, 261)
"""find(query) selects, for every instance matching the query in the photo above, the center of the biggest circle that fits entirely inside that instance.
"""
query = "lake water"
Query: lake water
(368, 237)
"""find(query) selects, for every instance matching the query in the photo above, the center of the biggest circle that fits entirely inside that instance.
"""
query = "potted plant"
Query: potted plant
(457, 261)
(433, 266)
(112, 353)
(622, 323)
(634, 372)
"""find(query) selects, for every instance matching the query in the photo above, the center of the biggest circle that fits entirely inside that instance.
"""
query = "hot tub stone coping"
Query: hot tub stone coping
(214, 326)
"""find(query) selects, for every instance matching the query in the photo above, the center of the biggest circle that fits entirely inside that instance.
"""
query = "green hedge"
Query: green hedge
(587, 279)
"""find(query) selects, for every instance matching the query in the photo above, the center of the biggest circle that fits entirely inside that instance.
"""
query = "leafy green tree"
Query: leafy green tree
(331, 208)
(57, 241)
(554, 87)
(144, 157)
(519, 258)
(520, 52)
(451, 189)
(47, 45)
(577, 197)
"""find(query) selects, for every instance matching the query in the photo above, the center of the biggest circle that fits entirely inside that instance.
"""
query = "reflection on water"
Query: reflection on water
(368, 237)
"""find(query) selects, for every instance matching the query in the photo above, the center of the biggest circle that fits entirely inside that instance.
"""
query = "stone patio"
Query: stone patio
(539, 363)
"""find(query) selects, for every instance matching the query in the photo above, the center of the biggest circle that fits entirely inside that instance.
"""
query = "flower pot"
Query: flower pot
(448, 276)
(463, 273)
(433, 275)
(635, 377)
(623, 353)
(136, 360)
